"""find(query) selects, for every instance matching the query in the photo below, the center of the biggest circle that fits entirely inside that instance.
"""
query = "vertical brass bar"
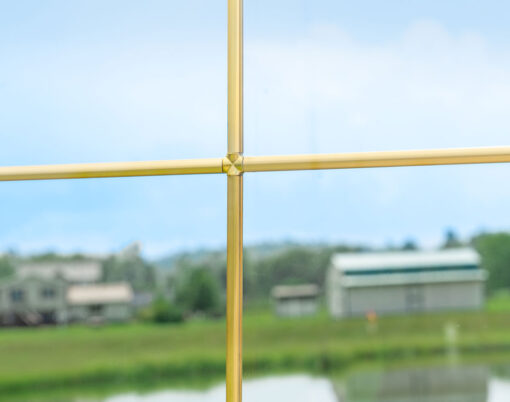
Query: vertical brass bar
(234, 288)
(234, 373)
(235, 76)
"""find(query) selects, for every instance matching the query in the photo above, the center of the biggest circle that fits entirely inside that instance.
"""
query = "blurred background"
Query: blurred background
(360, 285)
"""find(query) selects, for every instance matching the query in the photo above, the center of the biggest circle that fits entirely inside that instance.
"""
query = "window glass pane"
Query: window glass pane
(378, 206)
(338, 76)
(95, 284)
(121, 80)
(356, 274)
(165, 214)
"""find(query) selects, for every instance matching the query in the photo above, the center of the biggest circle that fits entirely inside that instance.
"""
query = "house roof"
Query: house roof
(106, 293)
(287, 292)
(71, 271)
(406, 260)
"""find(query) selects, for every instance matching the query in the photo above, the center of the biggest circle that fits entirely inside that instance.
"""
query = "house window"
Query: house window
(96, 309)
(17, 295)
(48, 293)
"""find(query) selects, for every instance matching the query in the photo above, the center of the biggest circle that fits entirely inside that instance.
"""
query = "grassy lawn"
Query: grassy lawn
(499, 302)
(121, 354)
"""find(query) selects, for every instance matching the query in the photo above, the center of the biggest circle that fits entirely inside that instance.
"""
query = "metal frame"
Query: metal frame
(234, 165)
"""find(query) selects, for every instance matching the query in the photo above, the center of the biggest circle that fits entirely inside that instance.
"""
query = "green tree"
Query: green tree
(494, 250)
(162, 312)
(293, 266)
(451, 240)
(140, 274)
(410, 244)
(200, 292)
(6, 267)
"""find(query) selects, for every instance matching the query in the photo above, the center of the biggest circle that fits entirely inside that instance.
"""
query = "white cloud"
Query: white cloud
(427, 88)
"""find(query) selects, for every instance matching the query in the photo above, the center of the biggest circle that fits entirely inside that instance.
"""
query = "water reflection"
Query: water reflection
(296, 388)
(425, 384)
(431, 384)
(469, 383)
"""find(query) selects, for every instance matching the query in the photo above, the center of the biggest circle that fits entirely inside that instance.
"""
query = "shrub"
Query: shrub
(162, 312)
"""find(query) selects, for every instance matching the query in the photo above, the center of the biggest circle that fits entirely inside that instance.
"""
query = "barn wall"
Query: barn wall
(400, 299)
(382, 300)
(454, 296)
(296, 307)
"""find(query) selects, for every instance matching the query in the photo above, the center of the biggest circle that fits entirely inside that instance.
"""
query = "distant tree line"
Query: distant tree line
(195, 285)
(199, 282)
(140, 274)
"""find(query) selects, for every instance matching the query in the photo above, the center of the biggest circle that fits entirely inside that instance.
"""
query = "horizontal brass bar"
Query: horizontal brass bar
(377, 159)
(259, 164)
(111, 169)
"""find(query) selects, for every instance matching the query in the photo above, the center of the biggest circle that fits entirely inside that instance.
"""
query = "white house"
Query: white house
(294, 301)
(100, 302)
(32, 301)
(404, 282)
(36, 301)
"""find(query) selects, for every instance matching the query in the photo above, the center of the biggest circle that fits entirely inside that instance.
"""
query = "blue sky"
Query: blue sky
(89, 81)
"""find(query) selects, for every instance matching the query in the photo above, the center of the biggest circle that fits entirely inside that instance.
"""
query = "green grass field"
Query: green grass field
(55, 357)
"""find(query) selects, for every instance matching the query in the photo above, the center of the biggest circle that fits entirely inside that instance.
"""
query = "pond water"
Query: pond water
(465, 383)
(474, 383)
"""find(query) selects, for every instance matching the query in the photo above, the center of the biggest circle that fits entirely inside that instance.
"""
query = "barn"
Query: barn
(295, 301)
(404, 282)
